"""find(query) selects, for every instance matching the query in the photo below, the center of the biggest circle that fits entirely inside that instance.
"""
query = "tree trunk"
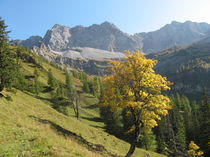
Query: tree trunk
(131, 150)
(135, 142)
(1, 87)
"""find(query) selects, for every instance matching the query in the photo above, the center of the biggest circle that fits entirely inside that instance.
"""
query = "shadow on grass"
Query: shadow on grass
(29, 77)
(66, 133)
(35, 66)
(47, 89)
(100, 127)
(95, 119)
(94, 106)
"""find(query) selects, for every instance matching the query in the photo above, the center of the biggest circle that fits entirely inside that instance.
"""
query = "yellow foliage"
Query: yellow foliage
(133, 84)
(194, 150)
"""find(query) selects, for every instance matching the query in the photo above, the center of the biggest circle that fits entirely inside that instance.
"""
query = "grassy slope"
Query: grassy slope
(30, 127)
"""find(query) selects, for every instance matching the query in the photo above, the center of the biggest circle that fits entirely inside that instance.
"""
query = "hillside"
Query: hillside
(30, 126)
(188, 67)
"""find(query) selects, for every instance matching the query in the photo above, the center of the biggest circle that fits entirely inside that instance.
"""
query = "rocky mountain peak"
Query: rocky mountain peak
(107, 24)
(57, 37)
(107, 36)
(174, 34)
(175, 23)
(59, 27)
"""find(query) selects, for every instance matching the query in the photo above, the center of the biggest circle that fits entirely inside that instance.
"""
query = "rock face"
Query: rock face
(90, 66)
(30, 42)
(84, 53)
(57, 38)
(174, 34)
(107, 36)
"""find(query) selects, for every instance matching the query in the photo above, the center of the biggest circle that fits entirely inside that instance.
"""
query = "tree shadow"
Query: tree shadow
(100, 127)
(95, 119)
(94, 106)
(46, 89)
(66, 133)
(42, 98)
(1, 95)
(34, 66)
(29, 77)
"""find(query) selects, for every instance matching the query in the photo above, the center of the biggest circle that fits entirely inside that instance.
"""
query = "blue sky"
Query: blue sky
(34, 17)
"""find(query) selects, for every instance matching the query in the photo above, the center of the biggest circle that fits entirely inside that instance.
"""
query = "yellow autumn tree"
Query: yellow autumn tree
(134, 85)
(194, 150)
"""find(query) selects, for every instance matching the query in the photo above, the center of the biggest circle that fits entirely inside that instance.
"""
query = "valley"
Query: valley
(98, 91)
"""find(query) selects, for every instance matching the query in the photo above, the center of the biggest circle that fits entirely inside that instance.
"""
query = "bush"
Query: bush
(8, 98)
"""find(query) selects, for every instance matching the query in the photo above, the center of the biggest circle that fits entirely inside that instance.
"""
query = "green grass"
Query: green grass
(29, 126)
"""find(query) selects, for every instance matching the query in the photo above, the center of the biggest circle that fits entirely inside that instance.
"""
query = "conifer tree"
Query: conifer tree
(36, 84)
(51, 80)
(96, 87)
(74, 100)
(205, 123)
(8, 66)
(36, 73)
(148, 140)
(111, 119)
(60, 91)
(175, 126)
(187, 116)
(69, 82)
(178, 120)
(86, 87)
(195, 121)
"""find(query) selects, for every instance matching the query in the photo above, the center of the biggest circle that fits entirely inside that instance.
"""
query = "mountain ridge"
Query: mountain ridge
(108, 37)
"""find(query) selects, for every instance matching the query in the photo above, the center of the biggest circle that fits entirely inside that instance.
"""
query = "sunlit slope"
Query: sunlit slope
(29, 126)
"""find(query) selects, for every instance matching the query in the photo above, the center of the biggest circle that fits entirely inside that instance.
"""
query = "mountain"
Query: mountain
(105, 36)
(84, 53)
(89, 60)
(108, 37)
(30, 42)
(188, 67)
(174, 34)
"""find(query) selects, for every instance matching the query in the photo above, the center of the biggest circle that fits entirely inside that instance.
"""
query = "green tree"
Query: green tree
(148, 140)
(36, 73)
(86, 87)
(36, 84)
(204, 136)
(69, 82)
(111, 120)
(171, 130)
(60, 91)
(8, 64)
(96, 87)
(188, 119)
(74, 100)
(51, 80)
(178, 120)
(195, 121)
